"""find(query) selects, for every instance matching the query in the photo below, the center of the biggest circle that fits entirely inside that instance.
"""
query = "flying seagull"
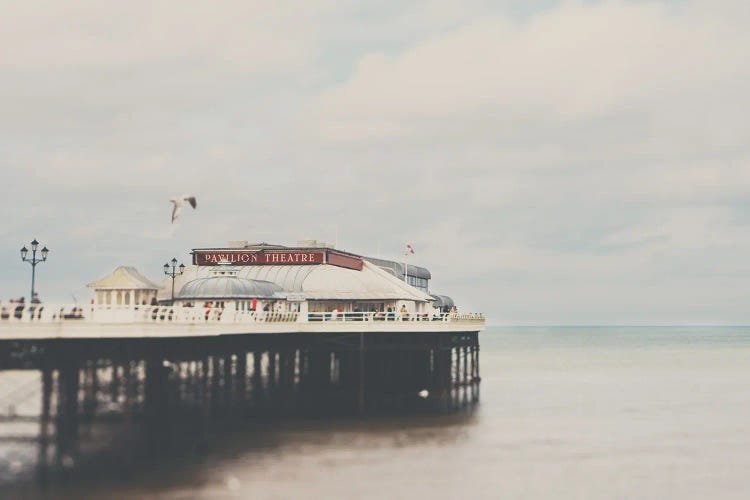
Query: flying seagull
(178, 203)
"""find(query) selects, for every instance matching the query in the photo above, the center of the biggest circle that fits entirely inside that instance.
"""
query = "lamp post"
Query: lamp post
(173, 271)
(33, 261)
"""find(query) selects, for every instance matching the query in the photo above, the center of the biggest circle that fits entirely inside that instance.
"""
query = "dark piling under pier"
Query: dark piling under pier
(197, 382)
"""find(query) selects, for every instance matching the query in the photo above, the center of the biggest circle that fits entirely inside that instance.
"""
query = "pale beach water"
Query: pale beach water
(646, 412)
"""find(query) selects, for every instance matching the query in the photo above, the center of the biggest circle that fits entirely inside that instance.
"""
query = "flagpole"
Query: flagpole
(407, 251)
(406, 268)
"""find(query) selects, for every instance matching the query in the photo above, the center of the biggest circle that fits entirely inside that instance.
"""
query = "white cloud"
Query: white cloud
(566, 65)
(242, 35)
(579, 162)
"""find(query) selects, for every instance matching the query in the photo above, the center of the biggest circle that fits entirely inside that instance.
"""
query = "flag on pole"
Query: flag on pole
(409, 248)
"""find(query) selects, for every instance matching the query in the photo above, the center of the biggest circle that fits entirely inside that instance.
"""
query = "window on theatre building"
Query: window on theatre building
(420, 283)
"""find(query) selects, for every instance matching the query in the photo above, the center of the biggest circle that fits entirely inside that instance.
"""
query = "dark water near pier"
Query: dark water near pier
(565, 413)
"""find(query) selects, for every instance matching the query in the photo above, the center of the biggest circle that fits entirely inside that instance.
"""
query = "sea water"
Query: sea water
(574, 412)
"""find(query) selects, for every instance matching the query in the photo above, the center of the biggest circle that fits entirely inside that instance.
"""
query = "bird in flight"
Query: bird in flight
(178, 203)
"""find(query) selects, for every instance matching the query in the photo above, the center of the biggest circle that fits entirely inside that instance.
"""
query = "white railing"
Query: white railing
(392, 316)
(55, 313)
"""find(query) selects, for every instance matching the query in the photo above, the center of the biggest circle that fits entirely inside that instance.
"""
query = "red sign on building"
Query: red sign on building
(277, 257)
(245, 258)
(258, 258)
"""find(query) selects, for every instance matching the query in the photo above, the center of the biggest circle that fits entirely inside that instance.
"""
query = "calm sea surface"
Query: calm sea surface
(565, 413)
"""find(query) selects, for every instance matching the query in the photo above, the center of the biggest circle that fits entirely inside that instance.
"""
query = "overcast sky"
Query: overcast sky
(550, 162)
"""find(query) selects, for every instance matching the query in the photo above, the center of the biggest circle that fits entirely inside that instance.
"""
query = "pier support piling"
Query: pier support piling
(167, 382)
(66, 425)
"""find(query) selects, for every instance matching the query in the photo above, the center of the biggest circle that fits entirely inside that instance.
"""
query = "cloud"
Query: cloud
(598, 147)
(551, 162)
(241, 35)
(576, 64)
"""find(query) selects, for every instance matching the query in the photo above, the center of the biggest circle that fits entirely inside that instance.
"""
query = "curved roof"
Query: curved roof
(327, 282)
(398, 268)
(443, 301)
(124, 278)
(321, 282)
(227, 287)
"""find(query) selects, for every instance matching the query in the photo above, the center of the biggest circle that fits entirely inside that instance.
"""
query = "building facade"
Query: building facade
(319, 279)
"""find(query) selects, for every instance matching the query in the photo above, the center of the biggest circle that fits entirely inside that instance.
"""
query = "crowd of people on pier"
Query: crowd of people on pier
(16, 306)
(15, 309)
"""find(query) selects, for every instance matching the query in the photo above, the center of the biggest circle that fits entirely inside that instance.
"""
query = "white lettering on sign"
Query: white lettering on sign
(207, 258)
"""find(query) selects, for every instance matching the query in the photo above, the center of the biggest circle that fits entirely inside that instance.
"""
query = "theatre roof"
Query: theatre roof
(324, 281)
(227, 287)
(398, 268)
(124, 278)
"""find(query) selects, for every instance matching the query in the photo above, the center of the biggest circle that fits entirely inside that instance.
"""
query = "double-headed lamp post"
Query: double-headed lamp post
(33, 261)
(173, 272)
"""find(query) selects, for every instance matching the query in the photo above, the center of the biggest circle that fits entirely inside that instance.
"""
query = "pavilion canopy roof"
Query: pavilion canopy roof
(124, 278)
(324, 282)
(228, 287)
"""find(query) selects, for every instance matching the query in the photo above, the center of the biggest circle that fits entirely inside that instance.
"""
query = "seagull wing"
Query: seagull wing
(176, 209)
(191, 200)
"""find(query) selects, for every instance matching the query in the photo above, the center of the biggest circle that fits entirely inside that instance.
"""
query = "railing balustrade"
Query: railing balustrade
(174, 314)
(392, 316)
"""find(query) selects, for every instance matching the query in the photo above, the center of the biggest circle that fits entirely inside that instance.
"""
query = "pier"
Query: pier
(160, 367)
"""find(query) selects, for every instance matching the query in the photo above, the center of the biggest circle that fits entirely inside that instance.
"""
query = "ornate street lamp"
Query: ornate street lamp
(173, 272)
(33, 261)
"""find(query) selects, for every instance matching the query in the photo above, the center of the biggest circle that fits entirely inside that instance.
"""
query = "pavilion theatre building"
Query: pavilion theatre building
(309, 278)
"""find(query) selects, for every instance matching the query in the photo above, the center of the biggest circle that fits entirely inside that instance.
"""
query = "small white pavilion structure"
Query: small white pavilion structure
(125, 286)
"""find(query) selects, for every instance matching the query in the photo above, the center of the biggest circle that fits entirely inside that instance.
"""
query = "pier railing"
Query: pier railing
(392, 316)
(174, 314)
